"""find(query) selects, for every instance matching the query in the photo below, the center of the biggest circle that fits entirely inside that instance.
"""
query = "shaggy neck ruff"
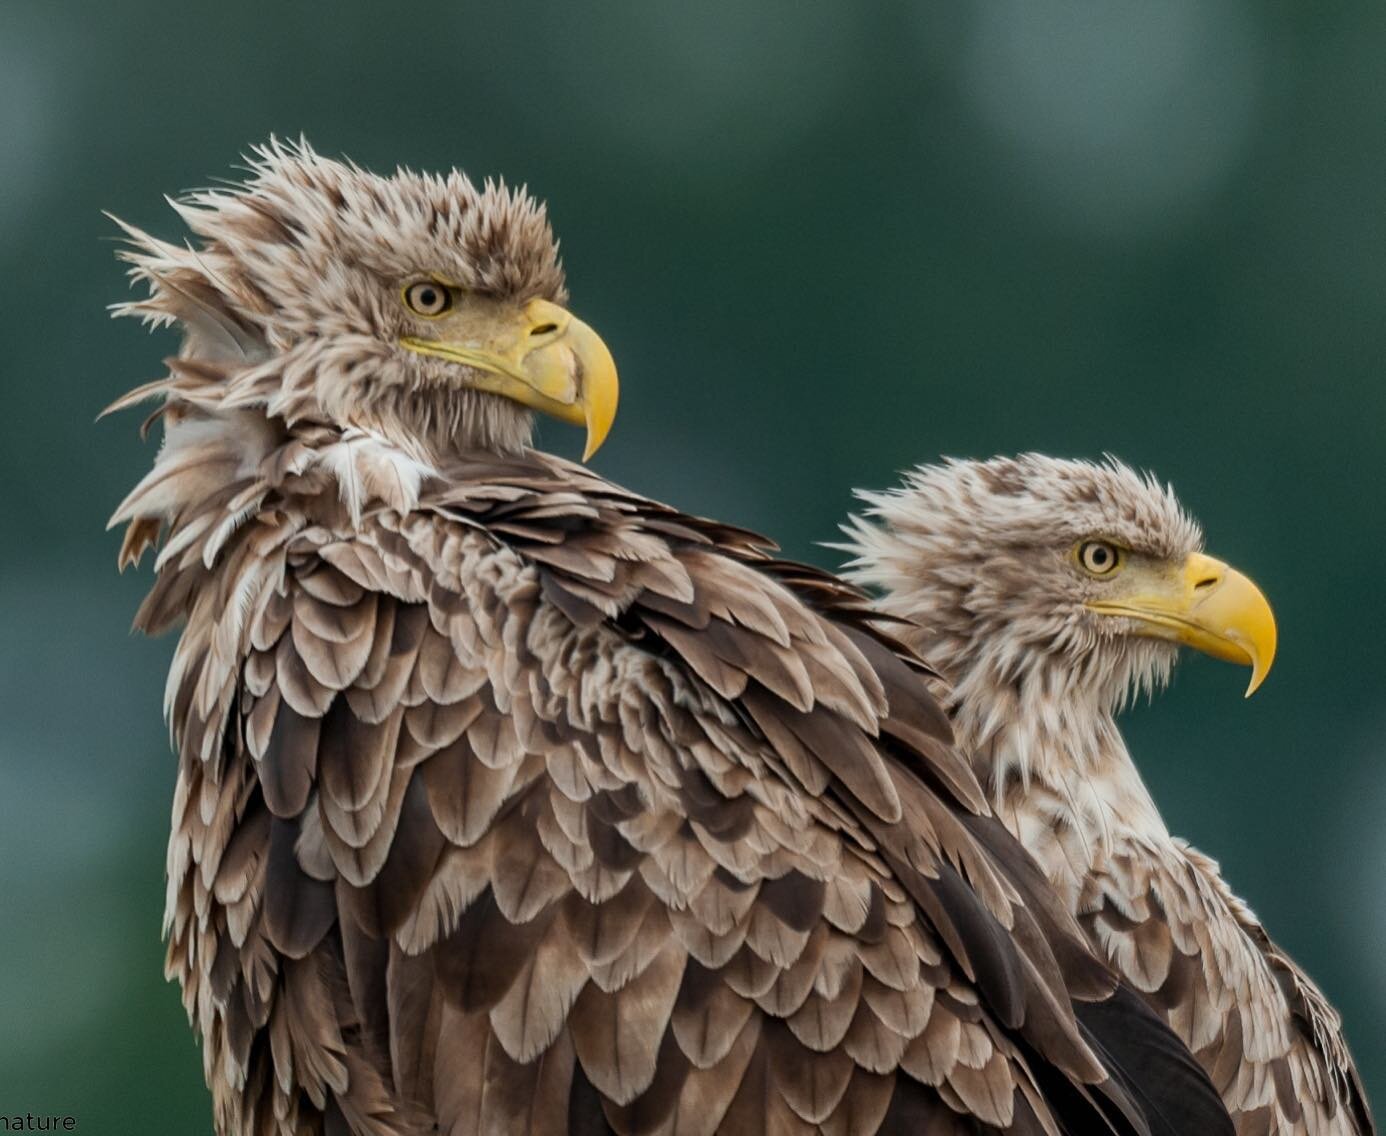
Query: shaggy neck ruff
(1045, 744)
(237, 410)
(1033, 701)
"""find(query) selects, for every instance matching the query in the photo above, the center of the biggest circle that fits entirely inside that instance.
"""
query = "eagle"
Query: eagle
(1048, 593)
(510, 801)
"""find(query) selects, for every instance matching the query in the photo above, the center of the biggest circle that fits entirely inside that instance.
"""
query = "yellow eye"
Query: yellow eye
(1099, 557)
(427, 298)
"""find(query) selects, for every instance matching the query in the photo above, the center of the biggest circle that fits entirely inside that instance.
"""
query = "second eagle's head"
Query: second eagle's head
(1084, 578)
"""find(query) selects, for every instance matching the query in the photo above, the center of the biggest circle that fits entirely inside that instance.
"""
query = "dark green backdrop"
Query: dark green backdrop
(824, 241)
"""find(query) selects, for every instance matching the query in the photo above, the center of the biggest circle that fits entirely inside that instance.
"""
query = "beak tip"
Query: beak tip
(598, 427)
(599, 411)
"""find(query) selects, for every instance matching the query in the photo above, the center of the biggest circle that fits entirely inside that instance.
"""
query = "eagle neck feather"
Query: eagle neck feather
(1049, 730)
(1047, 749)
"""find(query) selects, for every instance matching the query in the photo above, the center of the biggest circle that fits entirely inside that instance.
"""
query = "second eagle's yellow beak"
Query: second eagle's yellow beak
(1205, 605)
(539, 355)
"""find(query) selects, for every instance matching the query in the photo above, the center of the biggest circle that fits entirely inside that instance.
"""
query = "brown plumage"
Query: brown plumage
(509, 801)
(1048, 592)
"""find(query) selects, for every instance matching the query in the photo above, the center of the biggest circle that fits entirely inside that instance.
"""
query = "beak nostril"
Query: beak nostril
(1206, 582)
(543, 328)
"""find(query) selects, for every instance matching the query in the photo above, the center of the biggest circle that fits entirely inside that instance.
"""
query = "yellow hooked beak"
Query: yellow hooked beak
(539, 355)
(1205, 605)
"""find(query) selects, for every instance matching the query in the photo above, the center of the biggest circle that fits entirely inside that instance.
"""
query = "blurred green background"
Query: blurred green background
(825, 241)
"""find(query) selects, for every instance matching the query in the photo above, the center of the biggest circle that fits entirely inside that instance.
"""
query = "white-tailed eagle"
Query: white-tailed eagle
(1049, 593)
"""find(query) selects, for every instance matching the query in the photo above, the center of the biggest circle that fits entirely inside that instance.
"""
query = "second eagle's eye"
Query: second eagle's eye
(1099, 557)
(427, 298)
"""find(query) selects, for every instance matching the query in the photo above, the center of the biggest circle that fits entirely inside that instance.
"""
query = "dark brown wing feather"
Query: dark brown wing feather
(545, 808)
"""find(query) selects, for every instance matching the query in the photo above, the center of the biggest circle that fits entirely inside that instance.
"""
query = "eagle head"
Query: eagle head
(415, 308)
(1083, 577)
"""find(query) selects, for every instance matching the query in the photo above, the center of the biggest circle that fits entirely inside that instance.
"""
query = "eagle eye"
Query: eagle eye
(427, 298)
(1098, 557)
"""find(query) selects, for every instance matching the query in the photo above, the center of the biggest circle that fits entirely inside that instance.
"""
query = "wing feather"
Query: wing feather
(1270, 1043)
(544, 808)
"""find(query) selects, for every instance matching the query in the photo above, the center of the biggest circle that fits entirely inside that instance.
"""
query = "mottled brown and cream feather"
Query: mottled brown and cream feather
(455, 825)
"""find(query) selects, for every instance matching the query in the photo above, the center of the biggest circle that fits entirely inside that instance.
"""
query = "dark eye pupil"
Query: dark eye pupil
(427, 299)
